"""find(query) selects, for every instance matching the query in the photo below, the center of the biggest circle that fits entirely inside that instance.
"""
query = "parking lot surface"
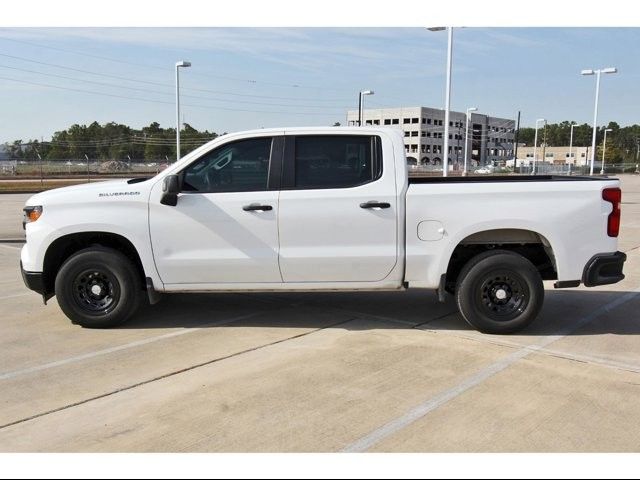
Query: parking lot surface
(388, 372)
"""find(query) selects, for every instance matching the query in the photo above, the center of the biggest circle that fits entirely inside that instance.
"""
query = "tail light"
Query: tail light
(614, 196)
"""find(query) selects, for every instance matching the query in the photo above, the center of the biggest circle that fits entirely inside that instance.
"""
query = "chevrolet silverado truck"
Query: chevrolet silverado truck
(312, 209)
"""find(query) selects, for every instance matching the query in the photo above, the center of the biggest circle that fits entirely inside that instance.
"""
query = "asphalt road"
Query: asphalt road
(323, 372)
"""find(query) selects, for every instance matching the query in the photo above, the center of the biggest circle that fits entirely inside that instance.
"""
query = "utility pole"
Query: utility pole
(544, 144)
(515, 154)
(458, 145)
(587, 157)
(40, 159)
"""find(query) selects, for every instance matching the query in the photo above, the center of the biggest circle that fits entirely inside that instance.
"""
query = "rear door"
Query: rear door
(338, 210)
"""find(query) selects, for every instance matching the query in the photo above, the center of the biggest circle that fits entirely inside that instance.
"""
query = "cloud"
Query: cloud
(306, 48)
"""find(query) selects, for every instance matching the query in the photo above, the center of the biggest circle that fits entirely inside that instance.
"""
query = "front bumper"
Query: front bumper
(33, 280)
(604, 269)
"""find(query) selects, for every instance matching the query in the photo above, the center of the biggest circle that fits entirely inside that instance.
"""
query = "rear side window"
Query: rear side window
(336, 161)
(241, 166)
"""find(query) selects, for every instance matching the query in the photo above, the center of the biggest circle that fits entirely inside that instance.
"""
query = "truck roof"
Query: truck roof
(321, 129)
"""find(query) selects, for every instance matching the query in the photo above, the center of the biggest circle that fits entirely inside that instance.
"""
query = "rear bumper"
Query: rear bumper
(604, 269)
(33, 280)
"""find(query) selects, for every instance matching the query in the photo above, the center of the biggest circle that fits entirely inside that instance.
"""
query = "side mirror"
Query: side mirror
(170, 190)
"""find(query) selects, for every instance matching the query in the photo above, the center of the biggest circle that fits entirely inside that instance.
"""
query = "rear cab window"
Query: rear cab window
(331, 161)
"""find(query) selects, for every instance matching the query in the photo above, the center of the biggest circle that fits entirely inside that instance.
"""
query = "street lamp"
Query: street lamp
(535, 145)
(182, 64)
(604, 148)
(361, 104)
(466, 139)
(595, 110)
(447, 101)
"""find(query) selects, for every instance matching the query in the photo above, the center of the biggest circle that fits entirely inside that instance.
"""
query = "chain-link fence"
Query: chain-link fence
(52, 169)
(559, 169)
(79, 168)
(540, 169)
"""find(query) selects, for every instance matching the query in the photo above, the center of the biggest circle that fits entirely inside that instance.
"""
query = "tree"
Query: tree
(111, 141)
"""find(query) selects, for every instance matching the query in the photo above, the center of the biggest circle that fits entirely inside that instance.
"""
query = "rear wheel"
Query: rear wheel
(499, 292)
(98, 288)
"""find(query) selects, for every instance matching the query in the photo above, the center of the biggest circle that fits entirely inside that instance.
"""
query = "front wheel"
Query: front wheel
(499, 292)
(98, 288)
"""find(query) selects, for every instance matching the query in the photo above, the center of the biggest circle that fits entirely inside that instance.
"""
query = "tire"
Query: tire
(98, 287)
(499, 292)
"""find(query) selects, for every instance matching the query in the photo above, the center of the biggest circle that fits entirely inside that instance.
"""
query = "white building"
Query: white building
(555, 155)
(490, 138)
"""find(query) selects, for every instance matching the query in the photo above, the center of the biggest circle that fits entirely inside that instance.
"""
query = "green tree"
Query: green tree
(112, 141)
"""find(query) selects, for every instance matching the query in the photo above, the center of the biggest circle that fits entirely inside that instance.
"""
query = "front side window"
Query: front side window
(241, 166)
(336, 161)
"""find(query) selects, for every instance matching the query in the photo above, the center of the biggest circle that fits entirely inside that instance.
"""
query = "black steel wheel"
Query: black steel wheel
(499, 292)
(98, 287)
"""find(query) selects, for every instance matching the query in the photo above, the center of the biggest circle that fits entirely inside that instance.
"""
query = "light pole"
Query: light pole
(466, 139)
(595, 110)
(182, 64)
(535, 145)
(361, 104)
(447, 100)
(604, 149)
(571, 143)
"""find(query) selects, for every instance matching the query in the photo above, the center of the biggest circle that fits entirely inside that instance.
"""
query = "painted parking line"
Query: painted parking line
(119, 348)
(174, 373)
(9, 246)
(484, 338)
(399, 423)
(16, 295)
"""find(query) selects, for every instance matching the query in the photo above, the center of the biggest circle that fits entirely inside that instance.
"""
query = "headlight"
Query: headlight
(31, 214)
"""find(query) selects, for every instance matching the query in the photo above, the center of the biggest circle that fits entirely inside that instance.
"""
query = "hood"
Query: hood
(84, 192)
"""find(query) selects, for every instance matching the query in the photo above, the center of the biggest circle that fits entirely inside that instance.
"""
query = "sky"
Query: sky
(244, 78)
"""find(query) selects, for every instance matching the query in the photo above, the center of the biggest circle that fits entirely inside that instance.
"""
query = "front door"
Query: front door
(224, 228)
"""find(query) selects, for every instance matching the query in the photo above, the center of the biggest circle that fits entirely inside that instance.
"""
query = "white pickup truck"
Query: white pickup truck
(312, 209)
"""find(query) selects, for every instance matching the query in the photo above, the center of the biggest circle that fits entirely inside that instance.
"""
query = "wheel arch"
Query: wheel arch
(65, 246)
(532, 245)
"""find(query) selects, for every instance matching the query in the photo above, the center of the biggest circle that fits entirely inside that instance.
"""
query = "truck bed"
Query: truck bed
(506, 178)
